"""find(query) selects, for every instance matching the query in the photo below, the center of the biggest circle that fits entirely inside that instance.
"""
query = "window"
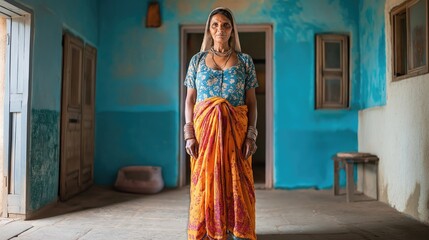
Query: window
(332, 71)
(410, 39)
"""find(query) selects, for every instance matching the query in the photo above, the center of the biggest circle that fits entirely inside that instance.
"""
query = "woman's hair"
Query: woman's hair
(224, 12)
(228, 15)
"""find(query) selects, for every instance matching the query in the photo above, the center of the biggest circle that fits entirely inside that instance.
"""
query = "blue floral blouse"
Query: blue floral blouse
(231, 83)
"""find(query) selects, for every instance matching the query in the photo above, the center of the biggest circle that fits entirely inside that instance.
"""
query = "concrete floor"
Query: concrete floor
(292, 215)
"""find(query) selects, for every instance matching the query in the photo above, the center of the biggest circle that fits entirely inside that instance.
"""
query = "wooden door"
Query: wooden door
(71, 117)
(88, 100)
(16, 113)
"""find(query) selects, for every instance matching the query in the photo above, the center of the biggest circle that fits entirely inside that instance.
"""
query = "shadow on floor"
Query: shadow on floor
(102, 213)
(94, 197)
(337, 236)
(308, 237)
(296, 237)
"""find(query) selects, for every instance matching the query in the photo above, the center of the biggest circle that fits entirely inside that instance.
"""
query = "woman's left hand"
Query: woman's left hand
(249, 148)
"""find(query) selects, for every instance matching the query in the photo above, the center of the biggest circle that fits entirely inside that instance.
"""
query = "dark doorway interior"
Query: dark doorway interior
(193, 45)
(253, 43)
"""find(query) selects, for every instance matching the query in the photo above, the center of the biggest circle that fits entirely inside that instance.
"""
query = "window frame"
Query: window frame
(396, 60)
(322, 73)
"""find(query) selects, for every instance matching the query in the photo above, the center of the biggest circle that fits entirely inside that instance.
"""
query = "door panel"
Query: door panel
(16, 116)
(71, 116)
(88, 100)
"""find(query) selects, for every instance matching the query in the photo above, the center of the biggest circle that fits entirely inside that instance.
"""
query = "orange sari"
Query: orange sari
(222, 189)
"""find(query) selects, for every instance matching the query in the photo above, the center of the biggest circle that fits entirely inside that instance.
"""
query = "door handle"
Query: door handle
(73, 120)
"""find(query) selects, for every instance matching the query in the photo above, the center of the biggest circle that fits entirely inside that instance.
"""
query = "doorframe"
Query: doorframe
(11, 9)
(269, 147)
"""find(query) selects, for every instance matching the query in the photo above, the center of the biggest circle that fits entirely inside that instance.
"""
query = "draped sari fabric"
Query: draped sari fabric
(222, 189)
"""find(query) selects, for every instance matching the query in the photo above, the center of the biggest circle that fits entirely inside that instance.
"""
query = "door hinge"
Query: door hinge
(5, 181)
(8, 39)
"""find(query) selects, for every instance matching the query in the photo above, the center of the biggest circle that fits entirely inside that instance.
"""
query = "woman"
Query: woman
(220, 134)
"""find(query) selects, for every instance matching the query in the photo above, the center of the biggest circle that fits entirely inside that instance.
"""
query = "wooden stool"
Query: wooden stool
(348, 160)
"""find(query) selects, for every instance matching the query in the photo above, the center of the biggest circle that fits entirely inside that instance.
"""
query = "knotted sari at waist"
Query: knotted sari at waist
(222, 189)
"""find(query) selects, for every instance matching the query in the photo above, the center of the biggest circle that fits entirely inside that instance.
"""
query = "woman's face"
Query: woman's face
(220, 28)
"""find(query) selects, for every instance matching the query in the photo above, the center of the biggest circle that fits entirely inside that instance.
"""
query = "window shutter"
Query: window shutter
(332, 73)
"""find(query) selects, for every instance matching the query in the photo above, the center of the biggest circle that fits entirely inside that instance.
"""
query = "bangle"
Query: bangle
(252, 133)
(188, 131)
(188, 126)
(188, 136)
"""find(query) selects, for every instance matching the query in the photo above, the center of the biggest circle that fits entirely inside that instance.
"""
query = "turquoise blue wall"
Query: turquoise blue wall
(373, 52)
(305, 139)
(50, 19)
(137, 101)
(138, 86)
(137, 92)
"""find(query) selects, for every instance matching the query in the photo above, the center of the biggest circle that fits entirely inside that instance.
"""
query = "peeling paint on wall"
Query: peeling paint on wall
(427, 207)
(384, 196)
(373, 49)
(401, 125)
(413, 202)
(302, 19)
(44, 164)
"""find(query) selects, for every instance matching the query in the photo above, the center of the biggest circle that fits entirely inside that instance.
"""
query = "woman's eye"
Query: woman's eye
(214, 25)
(227, 25)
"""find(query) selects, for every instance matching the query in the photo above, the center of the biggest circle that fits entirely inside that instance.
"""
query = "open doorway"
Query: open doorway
(15, 35)
(256, 40)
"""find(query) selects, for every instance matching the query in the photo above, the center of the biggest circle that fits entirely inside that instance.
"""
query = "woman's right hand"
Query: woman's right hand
(192, 147)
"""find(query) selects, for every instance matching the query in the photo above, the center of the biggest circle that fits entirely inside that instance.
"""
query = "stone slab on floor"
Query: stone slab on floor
(10, 229)
(104, 214)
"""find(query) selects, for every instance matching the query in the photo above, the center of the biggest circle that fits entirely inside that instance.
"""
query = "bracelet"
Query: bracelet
(188, 136)
(252, 133)
(188, 131)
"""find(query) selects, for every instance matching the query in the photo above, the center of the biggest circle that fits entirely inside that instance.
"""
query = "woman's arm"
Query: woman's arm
(252, 111)
(249, 146)
(191, 97)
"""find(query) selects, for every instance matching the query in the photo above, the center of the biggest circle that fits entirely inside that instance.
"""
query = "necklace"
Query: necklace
(221, 54)
(219, 67)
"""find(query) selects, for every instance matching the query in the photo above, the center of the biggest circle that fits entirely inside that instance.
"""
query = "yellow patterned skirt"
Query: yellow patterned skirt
(222, 189)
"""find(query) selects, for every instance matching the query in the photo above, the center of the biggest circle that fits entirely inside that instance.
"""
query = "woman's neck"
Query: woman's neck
(221, 47)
